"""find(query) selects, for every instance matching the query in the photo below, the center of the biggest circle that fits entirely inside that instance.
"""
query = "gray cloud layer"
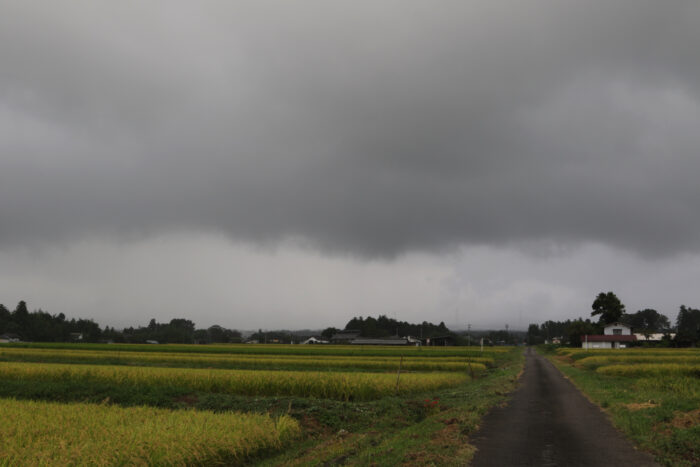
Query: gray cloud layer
(373, 128)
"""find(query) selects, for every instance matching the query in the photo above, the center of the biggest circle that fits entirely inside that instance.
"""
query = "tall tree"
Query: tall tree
(688, 326)
(579, 328)
(609, 307)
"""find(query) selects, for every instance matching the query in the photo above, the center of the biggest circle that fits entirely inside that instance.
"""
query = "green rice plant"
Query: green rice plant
(651, 369)
(327, 385)
(48, 433)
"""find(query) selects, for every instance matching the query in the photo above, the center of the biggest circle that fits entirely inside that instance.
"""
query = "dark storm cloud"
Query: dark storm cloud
(366, 127)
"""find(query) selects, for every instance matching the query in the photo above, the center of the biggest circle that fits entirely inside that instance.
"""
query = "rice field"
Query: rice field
(146, 406)
(638, 362)
(248, 361)
(276, 349)
(46, 433)
(355, 386)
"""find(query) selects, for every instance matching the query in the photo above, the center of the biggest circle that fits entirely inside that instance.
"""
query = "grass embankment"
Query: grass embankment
(46, 433)
(657, 405)
(431, 428)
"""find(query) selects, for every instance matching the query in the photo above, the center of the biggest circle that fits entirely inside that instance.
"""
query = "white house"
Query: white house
(314, 340)
(617, 329)
(615, 336)
(654, 336)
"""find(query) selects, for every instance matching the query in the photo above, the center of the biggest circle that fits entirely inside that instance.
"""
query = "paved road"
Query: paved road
(548, 422)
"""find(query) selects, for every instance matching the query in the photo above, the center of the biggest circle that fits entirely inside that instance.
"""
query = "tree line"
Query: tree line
(41, 326)
(383, 326)
(609, 309)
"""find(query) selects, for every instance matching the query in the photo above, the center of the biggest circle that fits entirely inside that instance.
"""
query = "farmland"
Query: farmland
(50, 433)
(382, 400)
(652, 395)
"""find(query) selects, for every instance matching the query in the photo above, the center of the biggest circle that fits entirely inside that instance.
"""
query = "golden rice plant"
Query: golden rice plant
(328, 385)
(43, 433)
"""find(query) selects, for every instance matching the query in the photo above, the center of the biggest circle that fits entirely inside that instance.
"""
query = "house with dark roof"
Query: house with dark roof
(615, 336)
(345, 337)
(385, 341)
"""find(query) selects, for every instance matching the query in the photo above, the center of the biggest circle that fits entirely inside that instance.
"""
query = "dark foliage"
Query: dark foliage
(609, 308)
(688, 326)
(40, 326)
(383, 326)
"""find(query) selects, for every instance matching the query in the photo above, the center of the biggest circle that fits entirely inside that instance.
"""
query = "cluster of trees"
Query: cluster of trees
(609, 309)
(180, 331)
(384, 326)
(41, 326)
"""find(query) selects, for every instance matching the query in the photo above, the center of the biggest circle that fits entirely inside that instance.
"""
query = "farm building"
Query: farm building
(315, 340)
(387, 341)
(345, 337)
(9, 337)
(655, 336)
(615, 336)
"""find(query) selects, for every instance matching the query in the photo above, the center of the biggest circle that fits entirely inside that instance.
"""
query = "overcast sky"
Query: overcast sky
(276, 164)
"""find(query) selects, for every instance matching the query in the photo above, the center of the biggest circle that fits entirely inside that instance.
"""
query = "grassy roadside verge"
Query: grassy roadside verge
(661, 415)
(423, 429)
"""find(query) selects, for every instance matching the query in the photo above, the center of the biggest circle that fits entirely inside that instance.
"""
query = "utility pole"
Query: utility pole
(469, 335)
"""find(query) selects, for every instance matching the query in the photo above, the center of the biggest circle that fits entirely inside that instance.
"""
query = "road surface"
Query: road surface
(548, 422)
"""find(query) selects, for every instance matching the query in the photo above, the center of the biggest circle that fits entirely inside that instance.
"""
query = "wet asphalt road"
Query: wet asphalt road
(548, 422)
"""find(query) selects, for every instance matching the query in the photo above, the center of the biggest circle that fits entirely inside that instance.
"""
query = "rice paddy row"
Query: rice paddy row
(277, 349)
(638, 362)
(355, 386)
(245, 361)
(45, 433)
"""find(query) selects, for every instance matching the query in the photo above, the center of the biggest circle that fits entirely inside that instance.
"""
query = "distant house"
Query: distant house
(654, 337)
(9, 338)
(440, 340)
(76, 336)
(414, 341)
(150, 341)
(315, 340)
(554, 340)
(387, 341)
(345, 337)
(615, 336)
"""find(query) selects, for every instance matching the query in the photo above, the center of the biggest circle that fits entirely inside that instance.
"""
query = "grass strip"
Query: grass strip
(430, 428)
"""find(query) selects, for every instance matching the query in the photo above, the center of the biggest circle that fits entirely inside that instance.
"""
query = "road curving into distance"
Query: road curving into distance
(548, 422)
